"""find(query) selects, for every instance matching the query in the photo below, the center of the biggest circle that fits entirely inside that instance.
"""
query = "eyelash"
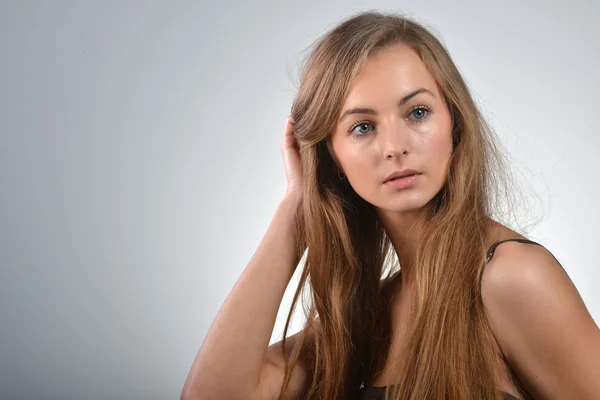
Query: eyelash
(418, 121)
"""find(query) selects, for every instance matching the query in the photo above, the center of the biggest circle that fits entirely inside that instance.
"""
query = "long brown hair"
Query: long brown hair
(449, 353)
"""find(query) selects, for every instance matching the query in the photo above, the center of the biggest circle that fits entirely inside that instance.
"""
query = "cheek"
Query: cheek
(360, 167)
(441, 146)
(353, 157)
(440, 151)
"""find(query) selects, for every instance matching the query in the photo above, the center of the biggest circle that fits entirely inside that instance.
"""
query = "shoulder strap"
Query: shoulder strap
(490, 254)
(492, 248)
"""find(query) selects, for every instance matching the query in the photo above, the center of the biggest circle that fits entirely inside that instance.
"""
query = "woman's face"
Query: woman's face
(386, 127)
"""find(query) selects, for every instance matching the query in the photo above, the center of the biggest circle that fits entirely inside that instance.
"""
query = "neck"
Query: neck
(405, 235)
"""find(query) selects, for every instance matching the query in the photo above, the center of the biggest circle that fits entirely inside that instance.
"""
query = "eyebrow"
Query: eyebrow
(370, 111)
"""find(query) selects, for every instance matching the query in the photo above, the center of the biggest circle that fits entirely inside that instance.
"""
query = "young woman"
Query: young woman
(386, 154)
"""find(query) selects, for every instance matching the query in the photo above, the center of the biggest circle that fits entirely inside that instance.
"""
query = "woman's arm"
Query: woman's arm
(235, 355)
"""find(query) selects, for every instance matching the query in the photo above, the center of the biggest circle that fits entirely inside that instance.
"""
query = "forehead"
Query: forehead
(388, 74)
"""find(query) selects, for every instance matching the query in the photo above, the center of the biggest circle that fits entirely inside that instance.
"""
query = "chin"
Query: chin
(400, 205)
(403, 201)
(405, 209)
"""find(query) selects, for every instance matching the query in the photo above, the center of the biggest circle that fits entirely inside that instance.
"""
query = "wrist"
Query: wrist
(292, 200)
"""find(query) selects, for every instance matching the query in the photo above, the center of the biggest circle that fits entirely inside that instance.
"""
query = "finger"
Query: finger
(289, 127)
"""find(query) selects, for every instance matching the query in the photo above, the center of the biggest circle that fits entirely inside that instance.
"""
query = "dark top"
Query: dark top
(378, 392)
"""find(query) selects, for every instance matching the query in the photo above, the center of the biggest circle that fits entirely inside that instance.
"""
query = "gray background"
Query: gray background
(140, 165)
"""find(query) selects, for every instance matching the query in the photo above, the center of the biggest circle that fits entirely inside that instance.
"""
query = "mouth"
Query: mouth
(403, 182)
(397, 178)
(401, 174)
(401, 177)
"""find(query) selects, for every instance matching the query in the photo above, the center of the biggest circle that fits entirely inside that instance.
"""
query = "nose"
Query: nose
(394, 140)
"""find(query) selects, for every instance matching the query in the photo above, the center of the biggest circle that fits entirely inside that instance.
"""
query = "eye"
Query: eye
(360, 124)
(421, 112)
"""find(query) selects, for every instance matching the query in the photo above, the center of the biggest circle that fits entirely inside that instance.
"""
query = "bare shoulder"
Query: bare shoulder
(541, 322)
(518, 266)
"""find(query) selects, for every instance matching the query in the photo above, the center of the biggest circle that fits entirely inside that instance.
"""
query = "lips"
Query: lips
(401, 174)
(400, 177)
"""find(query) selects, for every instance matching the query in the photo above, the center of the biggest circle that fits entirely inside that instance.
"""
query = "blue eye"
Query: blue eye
(420, 112)
(360, 123)
(424, 112)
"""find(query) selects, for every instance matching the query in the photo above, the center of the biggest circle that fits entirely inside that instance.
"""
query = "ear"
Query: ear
(333, 156)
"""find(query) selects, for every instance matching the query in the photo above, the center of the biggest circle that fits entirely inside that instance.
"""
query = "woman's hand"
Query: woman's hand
(291, 158)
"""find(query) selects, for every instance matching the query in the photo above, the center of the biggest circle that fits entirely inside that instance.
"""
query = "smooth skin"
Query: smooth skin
(535, 312)
(397, 133)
